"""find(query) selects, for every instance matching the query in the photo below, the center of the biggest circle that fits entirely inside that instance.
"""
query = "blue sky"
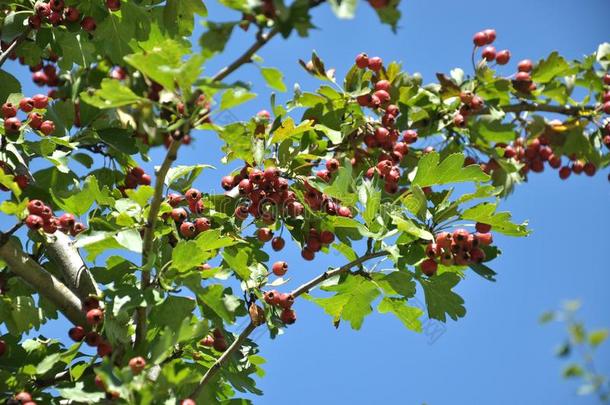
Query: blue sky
(497, 354)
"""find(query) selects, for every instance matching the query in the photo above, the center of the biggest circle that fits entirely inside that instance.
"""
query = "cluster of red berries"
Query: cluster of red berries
(134, 178)
(56, 13)
(193, 197)
(523, 79)
(21, 398)
(471, 103)
(95, 318)
(315, 241)
(363, 61)
(265, 194)
(283, 301)
(35, 120)
(215, 340)
(458, 248)
(486, 38)
(536, 153)
(41, 217)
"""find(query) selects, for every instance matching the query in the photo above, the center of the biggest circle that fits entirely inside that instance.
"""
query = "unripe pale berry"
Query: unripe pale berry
(137, 364)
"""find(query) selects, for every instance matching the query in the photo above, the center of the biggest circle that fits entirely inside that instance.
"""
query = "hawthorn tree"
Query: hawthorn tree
(334, 169)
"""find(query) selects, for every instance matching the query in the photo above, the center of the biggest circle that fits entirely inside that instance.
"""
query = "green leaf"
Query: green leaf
(47, 363)
(234, 97)
(450, 170)
(493, 129)
(547, 69)
(179, 15)
(77, 394)
(572, 370)
(9, 85)
(500, 222)
(274, 78)
(333, 135)
(288, 130)
(180, 178)
(130, 239)
(352, 301)
(112, 94)
(189, 254)
(597, 337)
(396, 283)
(237, 259)
(440, 299)
(141, 195)
(223, 305)
(78, 200)
(171, 312)
(342, 186)
(408, 315)
(408, 226)
(215, 38)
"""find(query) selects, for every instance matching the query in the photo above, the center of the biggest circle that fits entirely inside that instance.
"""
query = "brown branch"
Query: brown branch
(16, 42)
(47, 285)
(526, 106)
(246, 57)
(149, 231)
(215, 368)
(62, 251)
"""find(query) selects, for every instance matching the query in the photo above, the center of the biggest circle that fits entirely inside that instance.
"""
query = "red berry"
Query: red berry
(77, 228)
(432, 250)
(589, 169)
(288, 316)
(40, 101)
(362, 61)
(606, 79)
(459, 120)
(174, 199)
(606, 107)
(56, 5)
(578, 166)
(479, 39)
(187, 229)
(2, 347)
(178, 214)
(77, 333)
(344, 212)
(220, 344)
(382, 95)
(272, 297)
(327, 237)
(137, 364)
(227, 182)
(375, 63)
(271, 173)
(279, 268)
(47, 127)
(145, 180)
(555, 161)
(12, 124)
(72, 14)
(285, 301)
(382, 135)
(482, 228)
(490, 34)
(460, 236)
(503, 57)
(188, 401)
(23, 397)
(42, 9)
(26, 104)
(383, 85)
(90, 303)
(489, 53)
(202, 224)
(113, 5)
(277, 243)
(409, 136)
(484, 239)
(264, 234)
(444, 239)
(193, 194)
(34, 222)
(34, 21)
(429, 267)
(93, 339)
(95, 316)
(36, 120)
(104, 349)
(245, 187)
(379, 4)
(264, 115)
(308, 254)
(241, 212)
(88, 24)
(332, 165)
(9, 110)
(207, 341)
(523, 77)
(525, 65)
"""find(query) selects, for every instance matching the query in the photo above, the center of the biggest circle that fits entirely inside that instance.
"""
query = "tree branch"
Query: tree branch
(557, 109)
(16, 42)
(215, 368)
(44, 282)
(149, 231)
(62, 251)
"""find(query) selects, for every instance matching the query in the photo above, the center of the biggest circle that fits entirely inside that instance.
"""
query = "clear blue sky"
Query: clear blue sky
(498, 354)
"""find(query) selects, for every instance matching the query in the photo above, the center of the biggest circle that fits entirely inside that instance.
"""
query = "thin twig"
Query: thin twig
(215, 368)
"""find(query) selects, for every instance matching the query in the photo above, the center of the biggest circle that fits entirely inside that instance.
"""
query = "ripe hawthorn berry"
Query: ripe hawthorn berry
(95, 316)
(279, 268)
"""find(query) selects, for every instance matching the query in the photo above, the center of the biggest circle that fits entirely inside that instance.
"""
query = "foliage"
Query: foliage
(330, 168)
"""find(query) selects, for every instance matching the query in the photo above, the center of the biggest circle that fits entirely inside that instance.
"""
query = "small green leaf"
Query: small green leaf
(597, 337)
(234, 97)
(111, 94)
(274, 78)
(440, 299)
(450, 170)
(408, 315)
(500, 221)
